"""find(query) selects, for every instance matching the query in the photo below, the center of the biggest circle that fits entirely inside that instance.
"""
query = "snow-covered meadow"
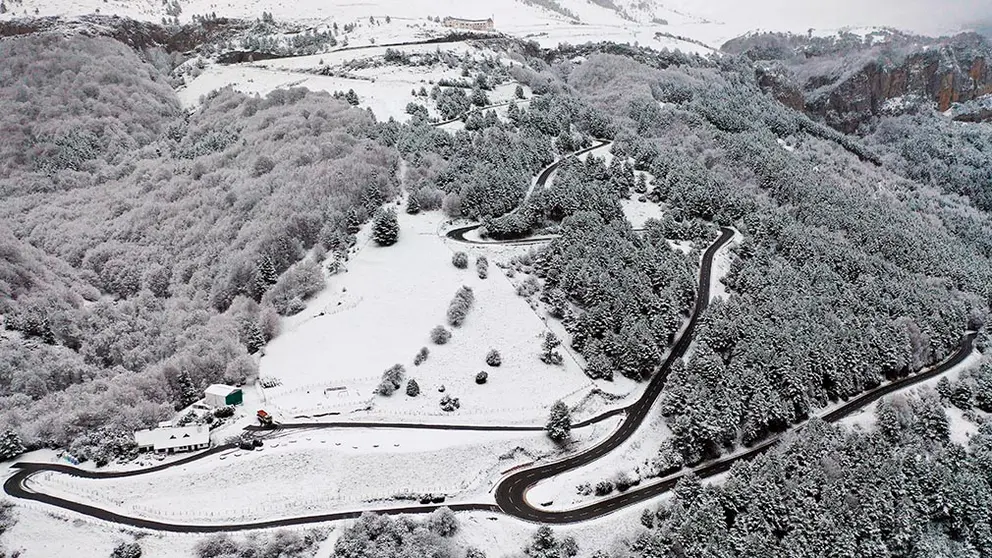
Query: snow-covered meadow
(380, 312)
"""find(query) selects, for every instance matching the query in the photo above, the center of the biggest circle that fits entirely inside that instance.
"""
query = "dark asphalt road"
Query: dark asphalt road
(459, 233)
(511, 490)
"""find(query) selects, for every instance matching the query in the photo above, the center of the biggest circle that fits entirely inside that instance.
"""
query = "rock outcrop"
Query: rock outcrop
(847, 82)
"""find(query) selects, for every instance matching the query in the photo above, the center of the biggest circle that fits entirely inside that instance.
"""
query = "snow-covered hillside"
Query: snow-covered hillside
(658, 23)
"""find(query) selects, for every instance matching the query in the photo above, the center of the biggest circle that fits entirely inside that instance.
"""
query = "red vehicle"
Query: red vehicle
(265, 419)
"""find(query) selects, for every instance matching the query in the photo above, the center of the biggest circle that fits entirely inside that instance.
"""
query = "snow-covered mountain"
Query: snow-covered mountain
(552, 21)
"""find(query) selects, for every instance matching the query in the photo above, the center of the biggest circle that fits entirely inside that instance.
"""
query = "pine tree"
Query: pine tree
(265, 274)
(412, 205)
(559, 425)
(187, 393)
(251, 336)
(10, 445)
(385, 228)
(351, 96)
(412, 388)
(519, 92)
(549, 355)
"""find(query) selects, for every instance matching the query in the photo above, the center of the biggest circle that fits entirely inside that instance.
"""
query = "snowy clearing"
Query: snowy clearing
(331, 356)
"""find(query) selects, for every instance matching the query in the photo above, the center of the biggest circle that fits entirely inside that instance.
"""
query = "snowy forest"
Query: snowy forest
(147, 252)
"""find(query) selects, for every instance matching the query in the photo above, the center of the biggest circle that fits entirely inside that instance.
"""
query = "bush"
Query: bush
(440, 335)
(623, 481)
(392, 378)
(421, 355)
(224, 412)
(460, 260)
(472, 552)
(528, 287)
(460, 305)
(493, 358)
(482, 267)
(385, 228)
(412, 388)
(442, 521)
(604, 487)
(481, 377)
(449, 403)
(127, 550)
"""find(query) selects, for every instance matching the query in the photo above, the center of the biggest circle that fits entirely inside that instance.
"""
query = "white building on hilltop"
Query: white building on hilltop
(472, 24)
(173, 440)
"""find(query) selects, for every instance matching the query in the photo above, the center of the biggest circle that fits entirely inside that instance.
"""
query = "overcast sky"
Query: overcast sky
(922, 16)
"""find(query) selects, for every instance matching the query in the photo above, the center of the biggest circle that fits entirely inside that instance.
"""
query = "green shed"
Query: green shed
(220, 395)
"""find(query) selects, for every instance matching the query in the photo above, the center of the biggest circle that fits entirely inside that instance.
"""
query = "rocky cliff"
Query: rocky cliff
(847, 81)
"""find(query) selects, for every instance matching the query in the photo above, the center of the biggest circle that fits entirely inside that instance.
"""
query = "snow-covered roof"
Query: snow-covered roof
(220, 390)
(165, 438)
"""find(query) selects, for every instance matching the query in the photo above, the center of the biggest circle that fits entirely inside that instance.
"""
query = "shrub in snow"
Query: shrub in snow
(460, 305)
(224, 412)
(460, 260)
(518, 92)
(412, 388)
(412, 205)
(481, 377)
(452, 205)
(440, 335)
(421, 356)
(583, 489)
(127, 550)
(449, 403)
(442, 521)
(559, 425)
(604, 487)
(528, 287)
(385, 228)
(493, 358)
(472, 552)
(392, 378)
(482, 267)
(623, 481)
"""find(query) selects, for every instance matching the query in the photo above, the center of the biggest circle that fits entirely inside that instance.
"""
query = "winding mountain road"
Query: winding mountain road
(511, 491)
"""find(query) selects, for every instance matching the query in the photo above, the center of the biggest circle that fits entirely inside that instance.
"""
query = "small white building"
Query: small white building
(173, 440)
(220, 395)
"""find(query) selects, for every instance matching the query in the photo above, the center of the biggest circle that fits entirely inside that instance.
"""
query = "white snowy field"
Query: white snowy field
(380, 313)
(319, 471)
(387, 95)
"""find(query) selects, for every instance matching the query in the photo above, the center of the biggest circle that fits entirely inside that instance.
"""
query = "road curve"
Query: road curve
(511, 490)
(511, 493)
(458, 234)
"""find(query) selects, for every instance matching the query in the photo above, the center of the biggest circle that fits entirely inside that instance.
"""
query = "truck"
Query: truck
(265, 419)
